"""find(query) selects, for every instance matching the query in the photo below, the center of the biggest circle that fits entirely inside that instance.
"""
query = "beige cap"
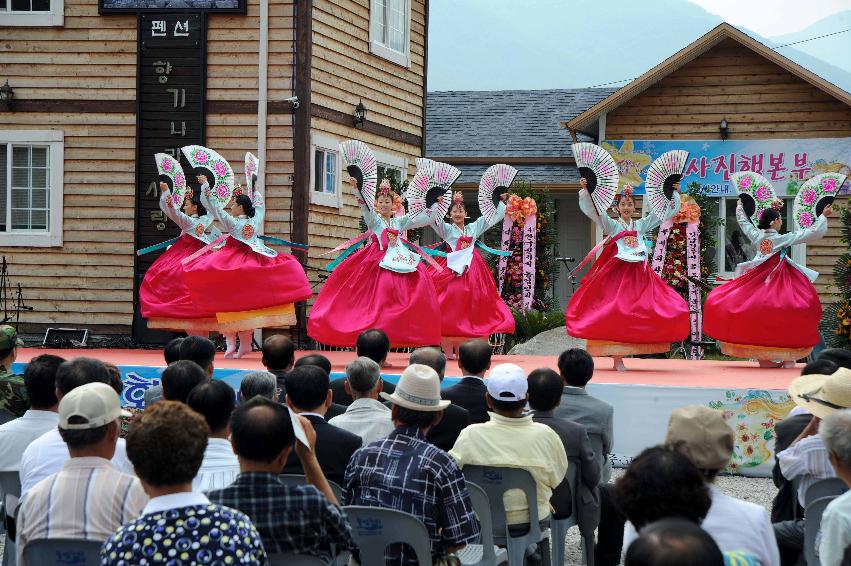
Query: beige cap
(418, 389)
(702, 435)
(821, 395)
(97, 403)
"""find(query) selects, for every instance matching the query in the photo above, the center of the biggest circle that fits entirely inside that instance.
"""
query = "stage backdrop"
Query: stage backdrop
(786, 163)
(641, 412)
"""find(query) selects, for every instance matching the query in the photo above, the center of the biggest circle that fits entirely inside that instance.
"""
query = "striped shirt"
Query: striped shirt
(87, 499)
(219, 467)
(807, 459)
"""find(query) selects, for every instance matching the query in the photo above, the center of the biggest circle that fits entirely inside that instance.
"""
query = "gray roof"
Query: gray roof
(535, 174)
(504, 123)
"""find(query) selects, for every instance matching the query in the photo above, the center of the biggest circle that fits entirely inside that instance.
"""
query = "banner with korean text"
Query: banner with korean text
(786, 163)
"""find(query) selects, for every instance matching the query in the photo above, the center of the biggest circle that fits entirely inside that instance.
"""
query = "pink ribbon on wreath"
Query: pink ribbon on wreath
(518, 210)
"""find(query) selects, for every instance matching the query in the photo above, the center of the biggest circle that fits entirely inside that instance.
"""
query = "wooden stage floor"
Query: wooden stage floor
(669, 372)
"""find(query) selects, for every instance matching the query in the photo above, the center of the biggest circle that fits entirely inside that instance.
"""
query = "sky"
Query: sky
(773, 17)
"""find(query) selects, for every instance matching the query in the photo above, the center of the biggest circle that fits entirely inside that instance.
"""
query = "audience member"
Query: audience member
(166, 445)
(512, 439)
(806, 459)
(674, 542)
(474, 359)
(661, 483)
(455, 418)
(47, 454)
(308, 394)
(88, 498)
(835, 432)
(324, 363)
(13, 393)
(302, 519)
(215, 401)
(171, 352)
(702, 435)
(180, 378)
(16, 435)
(545, 388)
(194, 348)
(576, 367)
(366, 417)
(840, 356)
(262, 383)
(406, 473)
(786, 506)
(278, 358)
(375, 345)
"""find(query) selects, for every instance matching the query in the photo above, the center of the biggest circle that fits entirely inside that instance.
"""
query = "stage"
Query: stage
(752, 398)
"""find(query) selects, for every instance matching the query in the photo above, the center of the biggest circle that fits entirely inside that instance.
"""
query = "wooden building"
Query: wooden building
(72, 209)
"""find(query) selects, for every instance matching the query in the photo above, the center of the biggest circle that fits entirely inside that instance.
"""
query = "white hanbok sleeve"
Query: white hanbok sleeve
(586, 204)
(259, 209)
(802, 236)
(217, 210)
(174, 214)
(424, 218)
(482, 225)
(650, 221)
(752, 232)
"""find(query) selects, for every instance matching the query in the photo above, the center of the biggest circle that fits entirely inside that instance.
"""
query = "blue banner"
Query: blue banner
(786, 163)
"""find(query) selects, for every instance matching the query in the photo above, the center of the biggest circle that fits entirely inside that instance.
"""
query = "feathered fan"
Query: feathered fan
(361, 164)
(252, 169)
(755, 192)
(598, 167)
(815, 194)
(432, 180)
(218, 170)
(496, 181)
(659, 182)
(170, 167)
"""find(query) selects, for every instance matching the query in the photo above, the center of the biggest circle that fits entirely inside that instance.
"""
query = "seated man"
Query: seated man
(407, 473)
(13, 394)
(192, 348)
(166, 445)
(366, 417)
(373, 344)
(301, 519)
(545, 388)
(513, 440)
(474, 360)
(674, 542)
(214, 400)
(835, 432)
(262, 383)
(455, 418)
(180, 378)
(322, 362)
(88, 498)
(308, 395)
(278, 357)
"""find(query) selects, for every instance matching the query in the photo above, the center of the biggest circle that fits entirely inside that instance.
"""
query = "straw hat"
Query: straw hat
(418, 389)
(821, 395)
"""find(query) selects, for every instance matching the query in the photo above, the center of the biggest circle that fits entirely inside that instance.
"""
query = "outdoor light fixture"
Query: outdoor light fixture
(360, 114)
(7, 95)
(723, 128)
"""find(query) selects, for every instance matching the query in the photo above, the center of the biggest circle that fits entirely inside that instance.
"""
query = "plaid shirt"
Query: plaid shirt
(290, 519)
(405, 472)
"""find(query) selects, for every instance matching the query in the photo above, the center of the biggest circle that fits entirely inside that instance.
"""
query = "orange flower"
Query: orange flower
(247, 231)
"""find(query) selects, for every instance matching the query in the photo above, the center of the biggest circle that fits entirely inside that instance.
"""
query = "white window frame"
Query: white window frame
(390, 161)
(54, 17)
(385, 51)
(799, 251)
(328, 144)
(55, 140)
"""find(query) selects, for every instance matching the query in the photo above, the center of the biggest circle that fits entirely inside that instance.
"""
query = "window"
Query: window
(31, 170)
(325, 183)
(389, 30)
(734, 246)
(391, 171)
(32, 12)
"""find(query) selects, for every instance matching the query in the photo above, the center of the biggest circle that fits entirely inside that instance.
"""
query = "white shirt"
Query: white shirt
(808, 459)
(368, 418)
(47, 454)
(835, 530)
(16, 435)
(175, 501)
(736, 526)
(219, 467)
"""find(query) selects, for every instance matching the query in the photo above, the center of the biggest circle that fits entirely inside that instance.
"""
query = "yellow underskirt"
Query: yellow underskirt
(764, 352)
(606, 348)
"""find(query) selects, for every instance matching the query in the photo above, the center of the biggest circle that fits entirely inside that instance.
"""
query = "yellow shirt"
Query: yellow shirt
(516, 443)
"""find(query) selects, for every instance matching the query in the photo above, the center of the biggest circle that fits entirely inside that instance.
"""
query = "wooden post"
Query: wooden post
(301, 135)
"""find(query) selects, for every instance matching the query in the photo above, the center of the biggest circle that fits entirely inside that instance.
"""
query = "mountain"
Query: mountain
(542, 44)
(830, 53)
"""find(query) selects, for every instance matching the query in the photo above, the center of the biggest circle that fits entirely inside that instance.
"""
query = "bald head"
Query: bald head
(474, 357)
(278, 353)
(431, 357)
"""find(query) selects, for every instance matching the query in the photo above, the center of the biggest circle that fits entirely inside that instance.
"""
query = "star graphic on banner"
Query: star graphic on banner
(630, 163)
(705, 146)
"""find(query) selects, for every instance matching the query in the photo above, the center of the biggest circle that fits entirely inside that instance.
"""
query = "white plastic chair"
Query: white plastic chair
(824, 488)
(295, 560)
(812, 526)
(487, 553)
(62, 552)
(375, 528)
(10, 492)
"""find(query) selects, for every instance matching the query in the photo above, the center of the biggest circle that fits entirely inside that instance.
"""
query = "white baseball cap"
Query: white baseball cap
(97, 403)
(507, 382)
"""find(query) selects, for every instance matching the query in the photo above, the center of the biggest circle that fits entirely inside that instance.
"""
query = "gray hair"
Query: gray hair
(835, 433)
(363, 375)
(260, 383)
(431, 357)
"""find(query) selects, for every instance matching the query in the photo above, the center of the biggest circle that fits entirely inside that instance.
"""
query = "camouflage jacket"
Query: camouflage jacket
(13, 394)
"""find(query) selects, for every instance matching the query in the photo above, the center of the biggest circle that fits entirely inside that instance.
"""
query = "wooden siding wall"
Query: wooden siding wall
(89, 280)
(759, 99)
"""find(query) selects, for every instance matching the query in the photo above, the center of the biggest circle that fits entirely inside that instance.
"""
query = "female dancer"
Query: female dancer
(383, 285)
(622, 307)
(246, 284)
(771, 310)
(469, 301)
(163, 295)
